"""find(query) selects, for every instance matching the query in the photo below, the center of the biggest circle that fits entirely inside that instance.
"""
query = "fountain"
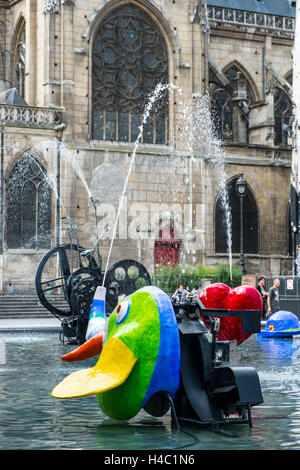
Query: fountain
(185, 362)
(72, 272)
(75, 271)
(78, 282)
(182, 364)
(33, 367)
(159, 89)
(67, 155)
(198, 131)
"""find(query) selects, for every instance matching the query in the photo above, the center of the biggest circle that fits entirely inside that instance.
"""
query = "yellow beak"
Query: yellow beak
(112, 369)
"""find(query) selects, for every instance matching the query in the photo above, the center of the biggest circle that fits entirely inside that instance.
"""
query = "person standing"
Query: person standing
(180, 294)
(273, 298)
(261, 289)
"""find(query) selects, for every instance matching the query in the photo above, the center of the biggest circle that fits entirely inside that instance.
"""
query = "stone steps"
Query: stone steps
(26, 306)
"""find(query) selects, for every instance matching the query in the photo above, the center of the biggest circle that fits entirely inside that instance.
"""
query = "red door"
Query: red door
(166, 248)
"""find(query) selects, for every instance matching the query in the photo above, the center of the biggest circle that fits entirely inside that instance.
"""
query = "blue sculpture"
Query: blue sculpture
(281, 324)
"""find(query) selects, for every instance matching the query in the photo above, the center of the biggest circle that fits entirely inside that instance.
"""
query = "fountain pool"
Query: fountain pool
(32, 419)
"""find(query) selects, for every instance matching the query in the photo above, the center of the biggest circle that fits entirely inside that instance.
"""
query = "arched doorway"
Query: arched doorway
(250, 222)
(166, 248)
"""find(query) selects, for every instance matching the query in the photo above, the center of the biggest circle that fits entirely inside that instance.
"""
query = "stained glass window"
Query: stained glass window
(28, 205)
(222, 105)
(221, 110)
(129, 61)
(283, 110)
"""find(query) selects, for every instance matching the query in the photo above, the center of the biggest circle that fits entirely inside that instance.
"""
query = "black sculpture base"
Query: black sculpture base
(212, 392)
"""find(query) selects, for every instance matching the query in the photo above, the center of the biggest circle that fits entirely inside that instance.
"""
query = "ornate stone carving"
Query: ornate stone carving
(50, 6)
(29, 116)
(68, 2)
(248, 18)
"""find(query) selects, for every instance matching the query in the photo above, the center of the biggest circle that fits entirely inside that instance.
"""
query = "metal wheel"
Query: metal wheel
(84, 285)
(123, 278)
(55, 270)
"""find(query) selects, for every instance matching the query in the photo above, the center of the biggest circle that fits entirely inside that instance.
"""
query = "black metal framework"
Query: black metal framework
(129, 59)
(212, 392)
(72, 273)
(250, 222)
(222, 105)
(283, 110)
(28, 205)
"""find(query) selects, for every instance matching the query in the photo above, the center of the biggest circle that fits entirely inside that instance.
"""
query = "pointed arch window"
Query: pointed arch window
(28, 205)
(19, 61)
(250, 222)
(289, 78)
(221, 110)
(283, 110)
(129, 59)
(230, 106)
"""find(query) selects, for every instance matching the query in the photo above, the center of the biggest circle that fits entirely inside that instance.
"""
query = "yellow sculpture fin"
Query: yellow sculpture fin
(112, 369)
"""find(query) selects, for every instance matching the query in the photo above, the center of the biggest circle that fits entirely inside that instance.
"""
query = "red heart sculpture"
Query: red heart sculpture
(240, 298)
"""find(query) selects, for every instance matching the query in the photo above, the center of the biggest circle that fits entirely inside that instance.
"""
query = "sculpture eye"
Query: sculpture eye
(122, 311)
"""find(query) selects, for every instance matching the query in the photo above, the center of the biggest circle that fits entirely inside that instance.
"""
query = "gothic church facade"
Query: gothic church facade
(75, 81)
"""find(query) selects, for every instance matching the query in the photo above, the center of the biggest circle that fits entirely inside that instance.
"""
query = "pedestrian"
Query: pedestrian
(180, 294)
(273, 298)
(10, 289)
(261, 289)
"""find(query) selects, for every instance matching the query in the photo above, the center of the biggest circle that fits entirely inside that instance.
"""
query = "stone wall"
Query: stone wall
(265, 166)
(165, 178)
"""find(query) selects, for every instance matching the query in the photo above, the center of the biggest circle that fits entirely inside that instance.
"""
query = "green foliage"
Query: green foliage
(223, 275)
(168, 278)
(140, 282)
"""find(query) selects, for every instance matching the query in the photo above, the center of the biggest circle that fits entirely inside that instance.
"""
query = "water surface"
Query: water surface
(31, 366)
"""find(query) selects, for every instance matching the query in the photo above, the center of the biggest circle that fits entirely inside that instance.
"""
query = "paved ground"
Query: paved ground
(37, 324)
(30, 324)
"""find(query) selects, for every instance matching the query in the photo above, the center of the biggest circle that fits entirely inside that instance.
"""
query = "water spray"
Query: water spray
(94, 202)
(156, 94)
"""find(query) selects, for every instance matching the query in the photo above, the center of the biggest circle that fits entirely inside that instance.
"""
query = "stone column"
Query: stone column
(261, 121)
(67, 65)
(295, 176)
(30, 62)
(52, 40)
(240, 109)
(204, 49)
(296, 99)
(2, 47)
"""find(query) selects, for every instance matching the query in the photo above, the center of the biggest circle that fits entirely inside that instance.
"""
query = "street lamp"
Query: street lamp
(241, 186)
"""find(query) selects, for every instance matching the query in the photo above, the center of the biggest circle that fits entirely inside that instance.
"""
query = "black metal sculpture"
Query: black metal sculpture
(211, 391)
(68, 275)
